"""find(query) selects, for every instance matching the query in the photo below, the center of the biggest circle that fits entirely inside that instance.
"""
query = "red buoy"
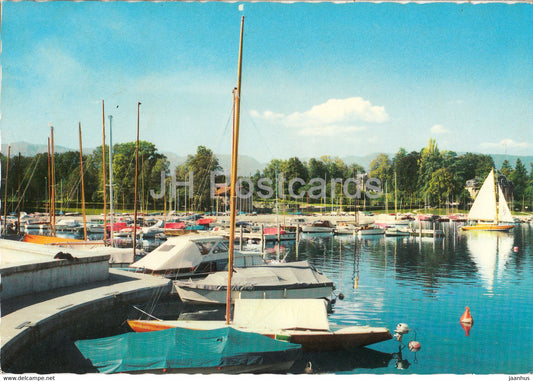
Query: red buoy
(515, 249)
(467, 318)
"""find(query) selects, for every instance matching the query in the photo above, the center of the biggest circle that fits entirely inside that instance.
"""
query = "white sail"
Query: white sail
(484, 206)
(504, 214)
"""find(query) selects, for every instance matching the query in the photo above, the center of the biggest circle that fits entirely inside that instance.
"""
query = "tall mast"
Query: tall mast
(111, 177)
(136, 184)
(495, 185)
(53, 185)
(103, 173)
(82, 189)
(5, 191)
(49, 198)
(234, 157)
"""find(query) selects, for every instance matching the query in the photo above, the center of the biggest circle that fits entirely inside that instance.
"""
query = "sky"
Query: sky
(318, 79)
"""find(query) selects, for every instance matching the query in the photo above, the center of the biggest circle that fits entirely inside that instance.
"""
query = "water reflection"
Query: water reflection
(490, 252)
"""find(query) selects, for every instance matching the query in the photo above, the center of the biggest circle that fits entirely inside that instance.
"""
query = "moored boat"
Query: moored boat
(294, 280)
(303, 322)
(370, 230)
(181, 350)
(323, 226)
(192, 255)
(488, 213)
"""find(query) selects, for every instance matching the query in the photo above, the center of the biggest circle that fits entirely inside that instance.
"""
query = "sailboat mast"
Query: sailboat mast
(496, 197)
(233, 181)
(49, 198)
(53, 184)
(103, 173)
(82, 189)
(111, 218)
(136, 184)
(5, 192)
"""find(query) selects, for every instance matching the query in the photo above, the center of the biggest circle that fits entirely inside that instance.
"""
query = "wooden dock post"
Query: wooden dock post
(240, 238)
(263, 238)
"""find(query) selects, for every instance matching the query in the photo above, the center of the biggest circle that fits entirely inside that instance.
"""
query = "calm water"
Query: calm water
(427, 284)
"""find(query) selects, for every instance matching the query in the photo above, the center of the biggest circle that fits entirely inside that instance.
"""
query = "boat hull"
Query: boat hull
(496, 228)
(316, 229)
(310, 340)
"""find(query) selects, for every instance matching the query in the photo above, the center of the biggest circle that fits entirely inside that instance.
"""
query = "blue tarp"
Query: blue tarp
(180, 348)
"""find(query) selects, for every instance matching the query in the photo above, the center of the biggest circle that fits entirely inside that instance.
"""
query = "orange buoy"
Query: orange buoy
(414, 346)
(467, 318)
(515, 249)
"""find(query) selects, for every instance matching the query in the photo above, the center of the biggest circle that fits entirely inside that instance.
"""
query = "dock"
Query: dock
(59, 300)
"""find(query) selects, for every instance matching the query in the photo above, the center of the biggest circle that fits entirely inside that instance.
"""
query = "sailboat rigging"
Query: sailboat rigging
(233, 180)
(489, 212)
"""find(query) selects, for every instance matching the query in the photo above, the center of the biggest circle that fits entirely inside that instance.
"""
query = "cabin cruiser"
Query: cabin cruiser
(193, 255)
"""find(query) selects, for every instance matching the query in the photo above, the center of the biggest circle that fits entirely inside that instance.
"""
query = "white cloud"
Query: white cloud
(334, 117)
(506, 143)
(439, 129)
(340, 112)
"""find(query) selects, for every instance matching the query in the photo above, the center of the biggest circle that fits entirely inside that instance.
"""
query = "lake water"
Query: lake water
(427, 283)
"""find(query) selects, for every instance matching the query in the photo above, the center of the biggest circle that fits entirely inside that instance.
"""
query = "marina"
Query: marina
(425, 283)
(145, 257)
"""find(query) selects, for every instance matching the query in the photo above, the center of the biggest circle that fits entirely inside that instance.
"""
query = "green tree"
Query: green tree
(430, 161)
(506, 168)
(405, 165)
(202, 164)
(520, 181)
(441, 186)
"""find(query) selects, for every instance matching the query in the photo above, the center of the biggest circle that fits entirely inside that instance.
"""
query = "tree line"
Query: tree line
(429, 177)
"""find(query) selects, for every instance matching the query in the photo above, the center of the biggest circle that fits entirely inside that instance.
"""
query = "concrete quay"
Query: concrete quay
(70, 300)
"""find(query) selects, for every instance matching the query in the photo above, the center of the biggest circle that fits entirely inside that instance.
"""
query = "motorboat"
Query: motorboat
(321, 226)
(293, 280)
(193, 255)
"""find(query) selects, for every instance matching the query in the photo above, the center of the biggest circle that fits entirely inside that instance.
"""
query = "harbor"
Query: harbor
(381, 279)
(281, 210)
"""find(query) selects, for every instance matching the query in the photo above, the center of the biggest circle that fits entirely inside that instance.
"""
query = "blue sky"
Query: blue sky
(318, 79)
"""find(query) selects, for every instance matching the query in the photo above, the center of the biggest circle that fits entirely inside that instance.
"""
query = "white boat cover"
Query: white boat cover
(175, 253)
(275, 314)
(274, 274)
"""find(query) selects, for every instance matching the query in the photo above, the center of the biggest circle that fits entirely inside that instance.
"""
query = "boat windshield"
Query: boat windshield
(205, 246)
(220, 248)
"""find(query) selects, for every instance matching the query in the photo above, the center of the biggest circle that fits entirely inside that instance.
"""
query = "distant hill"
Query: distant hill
(499, 159)
(247, 165)
(28, 149)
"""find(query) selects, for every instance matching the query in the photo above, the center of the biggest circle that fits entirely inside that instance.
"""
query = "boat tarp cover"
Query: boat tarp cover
(180, 348)
(281, 314)
(175, 253)
(274, 274)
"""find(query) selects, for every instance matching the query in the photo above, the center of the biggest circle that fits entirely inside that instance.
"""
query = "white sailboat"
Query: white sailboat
(487, 212)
